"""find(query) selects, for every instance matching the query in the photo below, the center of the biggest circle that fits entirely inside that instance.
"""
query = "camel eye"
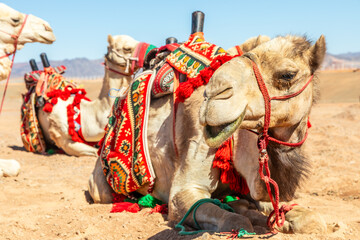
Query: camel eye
(226, 94)
(15, 21)
(288, 76)
(127, 50)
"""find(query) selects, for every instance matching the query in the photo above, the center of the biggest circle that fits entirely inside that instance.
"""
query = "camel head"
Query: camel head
(34, 30)
(233, 99)
(11, 22)
(120, 50)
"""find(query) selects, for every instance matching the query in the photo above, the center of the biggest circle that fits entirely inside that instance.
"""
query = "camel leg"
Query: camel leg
(298, 220)
(70, 147)
(9, 168)
(99, 189)
(247, 209)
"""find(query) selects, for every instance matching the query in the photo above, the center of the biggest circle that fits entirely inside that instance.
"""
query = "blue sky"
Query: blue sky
(81, 26)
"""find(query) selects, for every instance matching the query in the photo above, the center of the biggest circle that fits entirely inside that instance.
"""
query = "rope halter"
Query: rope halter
(263, 140)
(16, 41)
(137, 58)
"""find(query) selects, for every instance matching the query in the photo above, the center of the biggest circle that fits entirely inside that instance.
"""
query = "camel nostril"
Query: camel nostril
(47, 28)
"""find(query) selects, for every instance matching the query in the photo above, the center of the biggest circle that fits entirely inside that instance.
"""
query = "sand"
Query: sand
(48, 200)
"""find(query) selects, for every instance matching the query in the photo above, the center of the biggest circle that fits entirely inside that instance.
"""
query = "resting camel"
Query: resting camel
(233, 105)
(94, 113)
(34, 30)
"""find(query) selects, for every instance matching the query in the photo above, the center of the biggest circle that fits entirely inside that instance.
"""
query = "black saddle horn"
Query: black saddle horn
(197, 23)
(171, 40)
(33, 65)
(44, 60)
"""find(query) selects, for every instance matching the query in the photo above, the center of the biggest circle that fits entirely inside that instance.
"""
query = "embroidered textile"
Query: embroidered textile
(194, 55)
(124, 154)
(30, 131)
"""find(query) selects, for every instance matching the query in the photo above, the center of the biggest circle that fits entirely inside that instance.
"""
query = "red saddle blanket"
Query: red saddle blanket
(124, 154)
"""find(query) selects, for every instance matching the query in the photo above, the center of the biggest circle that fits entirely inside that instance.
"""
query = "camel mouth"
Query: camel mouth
(217, 135)
(47, 38)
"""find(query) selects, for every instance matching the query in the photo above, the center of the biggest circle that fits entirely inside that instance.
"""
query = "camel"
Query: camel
(231, 104)
(34, 30)
(94, 113)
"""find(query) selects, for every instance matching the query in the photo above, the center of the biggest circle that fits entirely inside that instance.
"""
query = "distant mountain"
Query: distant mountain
(76, 68)
(89, 69)
(351, 56)
(341, 61)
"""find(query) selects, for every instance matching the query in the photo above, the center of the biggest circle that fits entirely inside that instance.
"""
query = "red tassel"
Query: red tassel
(159, 209)
(125, 206)
(48, 107)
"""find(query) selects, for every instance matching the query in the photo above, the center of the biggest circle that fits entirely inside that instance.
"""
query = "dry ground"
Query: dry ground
(48, 199)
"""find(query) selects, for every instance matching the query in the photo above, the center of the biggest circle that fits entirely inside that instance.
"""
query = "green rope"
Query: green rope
(243, 232)
(194, 208)
(229, 199)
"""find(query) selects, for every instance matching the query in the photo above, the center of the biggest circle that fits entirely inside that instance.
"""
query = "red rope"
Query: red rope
(112, 70)
(16, 38)
(277, 216)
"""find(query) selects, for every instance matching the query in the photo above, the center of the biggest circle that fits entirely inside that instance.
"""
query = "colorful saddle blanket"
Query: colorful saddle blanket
(30, 131)
(124, 153)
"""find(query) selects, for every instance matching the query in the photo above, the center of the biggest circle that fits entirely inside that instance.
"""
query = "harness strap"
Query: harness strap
(114, 71)
(16, 38)
(193, 209)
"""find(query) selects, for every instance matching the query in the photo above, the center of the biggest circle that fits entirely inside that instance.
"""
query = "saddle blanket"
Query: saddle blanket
(124, 152)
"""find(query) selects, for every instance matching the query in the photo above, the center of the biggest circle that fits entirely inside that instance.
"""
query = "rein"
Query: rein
(16, 38)
(263, 141)
(114, 71)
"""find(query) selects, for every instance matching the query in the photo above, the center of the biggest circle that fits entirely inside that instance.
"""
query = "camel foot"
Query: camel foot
(305, 221)
(99, 190)
(9, 167)
(230, 221)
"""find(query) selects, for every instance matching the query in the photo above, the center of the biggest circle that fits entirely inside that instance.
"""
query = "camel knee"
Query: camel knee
(99, 190)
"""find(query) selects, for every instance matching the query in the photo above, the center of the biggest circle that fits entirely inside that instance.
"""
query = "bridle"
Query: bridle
(16, 38)
(136, 60)
(263, 141)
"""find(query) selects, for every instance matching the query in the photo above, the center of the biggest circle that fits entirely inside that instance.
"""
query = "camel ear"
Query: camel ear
(252, 43)
(110, 40)
(249, 44)
(317, 53)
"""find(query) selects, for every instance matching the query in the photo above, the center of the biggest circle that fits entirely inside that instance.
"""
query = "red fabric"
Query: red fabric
(171, 47)
(163, 209)
(125, 206)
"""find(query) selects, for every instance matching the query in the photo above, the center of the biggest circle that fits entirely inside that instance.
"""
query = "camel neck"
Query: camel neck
(111, 82)
(5, 64)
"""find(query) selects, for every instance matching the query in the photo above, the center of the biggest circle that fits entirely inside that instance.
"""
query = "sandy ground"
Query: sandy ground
(48, 199)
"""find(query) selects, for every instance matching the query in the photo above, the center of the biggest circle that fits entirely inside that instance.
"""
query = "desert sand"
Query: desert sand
(48, 200)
